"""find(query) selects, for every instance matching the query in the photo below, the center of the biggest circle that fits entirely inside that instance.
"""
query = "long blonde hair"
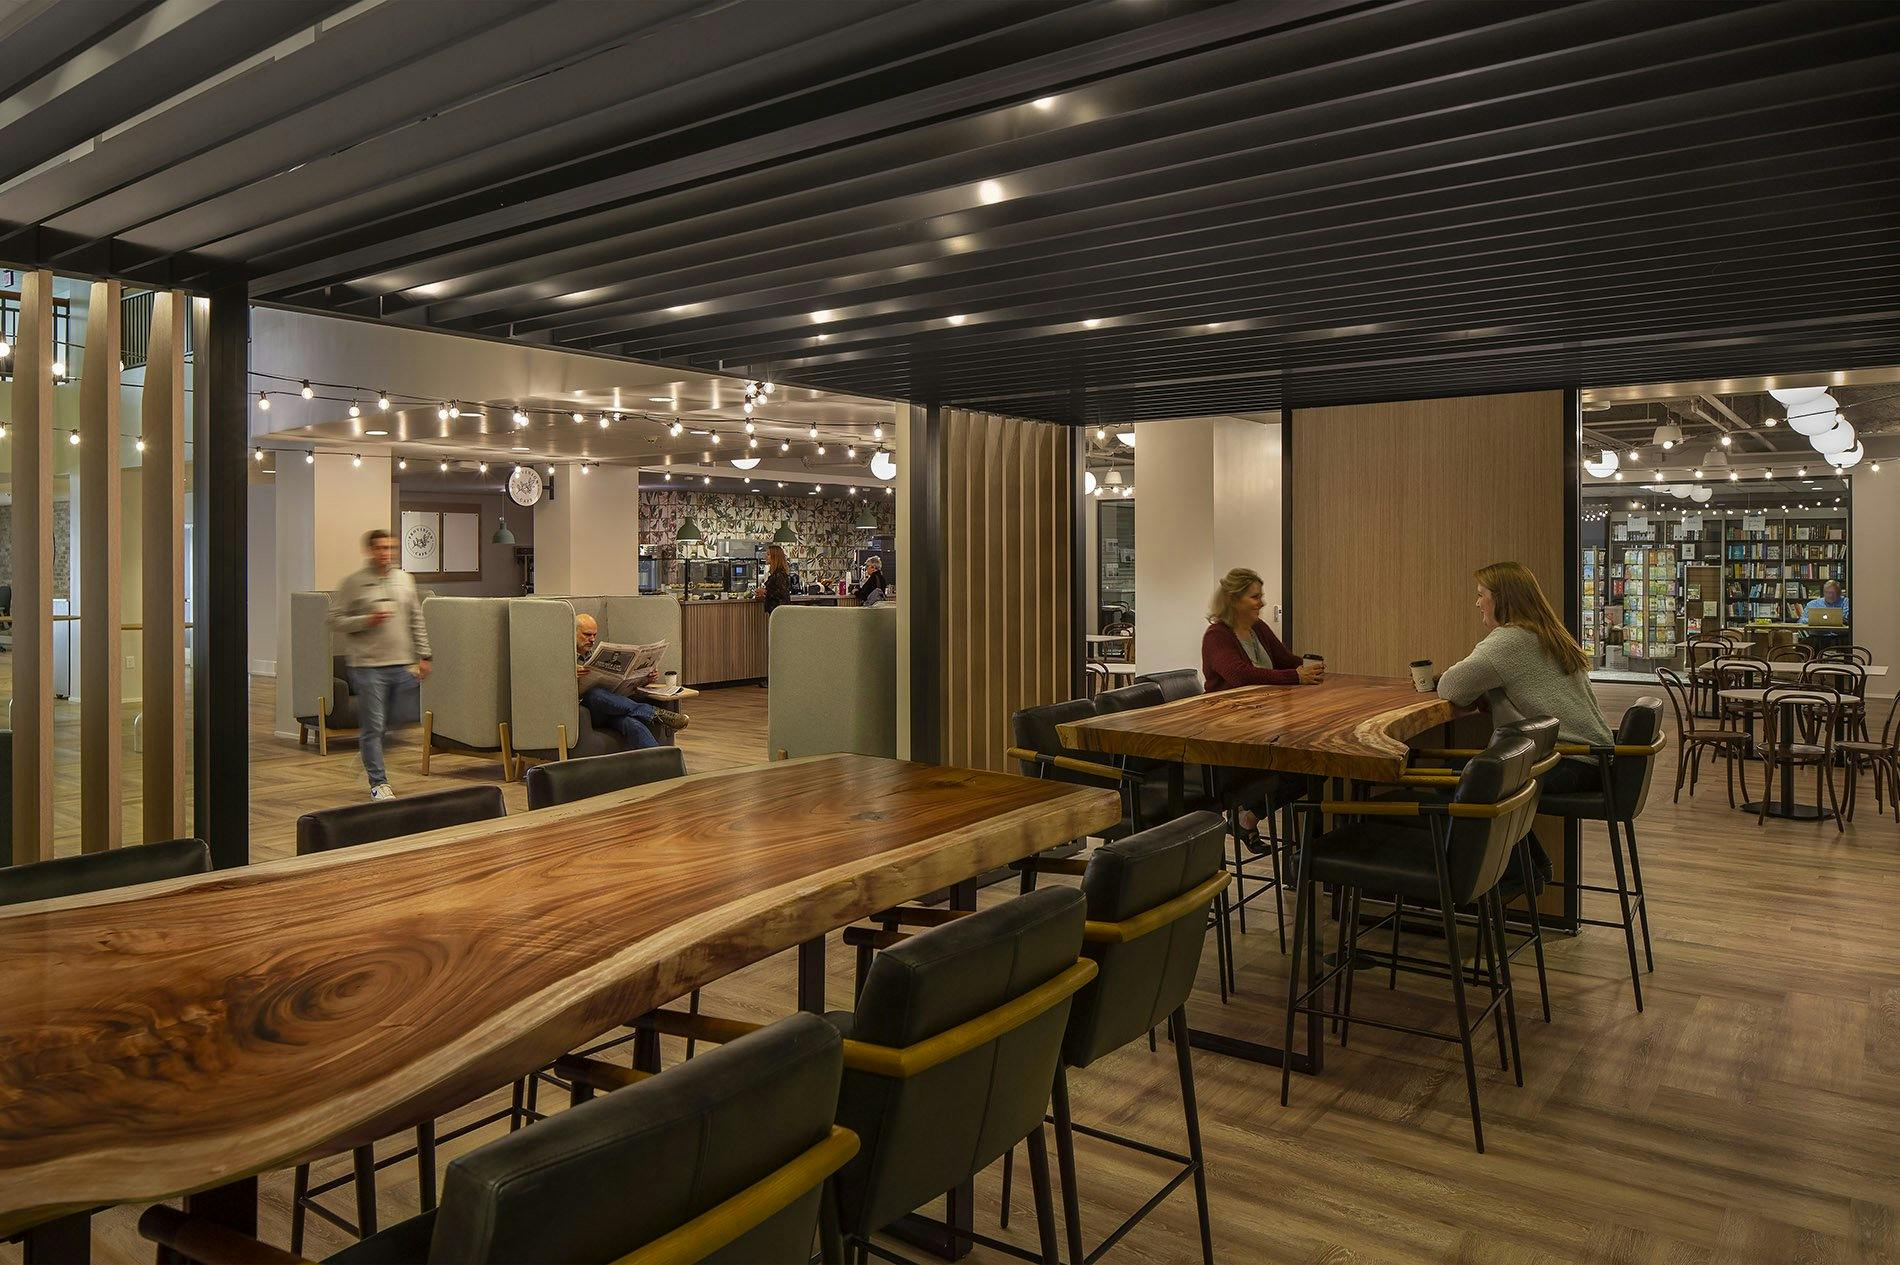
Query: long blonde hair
(1233, 587)
(775, 558)
(1517, 601)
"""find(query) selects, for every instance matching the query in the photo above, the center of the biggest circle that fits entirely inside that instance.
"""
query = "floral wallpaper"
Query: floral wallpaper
(826, 537)
(62, 547)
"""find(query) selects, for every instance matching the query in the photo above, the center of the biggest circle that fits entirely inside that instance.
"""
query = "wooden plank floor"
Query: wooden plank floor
(1750, 1114)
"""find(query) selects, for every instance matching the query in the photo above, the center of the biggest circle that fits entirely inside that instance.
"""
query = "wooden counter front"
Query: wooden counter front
(724, 641)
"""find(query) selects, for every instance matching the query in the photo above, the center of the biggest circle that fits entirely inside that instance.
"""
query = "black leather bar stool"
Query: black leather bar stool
(1625, 769)
(950, 1060)
(1148, 898)
(1471, 842)
(373, 822)
(725, 1158)
(565, 781)
(103, 871)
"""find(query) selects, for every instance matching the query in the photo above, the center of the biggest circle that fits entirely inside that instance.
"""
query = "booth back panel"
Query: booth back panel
(633, 620)
(468, 687)
(312, 656)
(542, 694)
(834, 680)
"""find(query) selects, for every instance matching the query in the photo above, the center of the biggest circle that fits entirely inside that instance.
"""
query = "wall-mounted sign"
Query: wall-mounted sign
(1754, 522)
(1639, 524)
(1692, 524)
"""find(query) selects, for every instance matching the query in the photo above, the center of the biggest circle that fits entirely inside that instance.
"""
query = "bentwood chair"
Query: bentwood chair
(1847, 654)
(1704, 650)
(950, 1060)
(565, 781)
(1741, 673)
(1624, 770)
(1800, 730)
(1793, 652)
(325, 831)
(1849, 681)
(723, 1159)
(1471, 842)
(103, 871)
(1882, 758)
(1694, 742)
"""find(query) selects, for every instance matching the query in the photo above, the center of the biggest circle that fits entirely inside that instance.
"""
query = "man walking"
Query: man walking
(632, 719)
(385, 644)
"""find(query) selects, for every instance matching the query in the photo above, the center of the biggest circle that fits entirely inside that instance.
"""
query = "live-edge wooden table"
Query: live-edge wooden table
(181, 1037)
(1347, 727)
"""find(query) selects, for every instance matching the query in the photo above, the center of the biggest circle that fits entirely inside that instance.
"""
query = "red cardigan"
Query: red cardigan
(1224, 664)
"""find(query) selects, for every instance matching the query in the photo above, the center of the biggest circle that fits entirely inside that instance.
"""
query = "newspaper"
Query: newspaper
(620, 668)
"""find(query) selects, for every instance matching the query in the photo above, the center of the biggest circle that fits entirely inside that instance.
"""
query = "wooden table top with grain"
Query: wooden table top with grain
(1345, 726)
(179, 1035)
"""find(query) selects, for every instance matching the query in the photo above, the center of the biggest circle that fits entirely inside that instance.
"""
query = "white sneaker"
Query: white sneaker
(381, 791)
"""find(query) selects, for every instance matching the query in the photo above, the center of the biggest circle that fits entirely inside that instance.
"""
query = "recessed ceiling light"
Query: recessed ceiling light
(1093, 321)
(821, 316)
(659, 399)
(1044, 103)
(376, 433)
(521, 448)
(958, 319)
(990, 192)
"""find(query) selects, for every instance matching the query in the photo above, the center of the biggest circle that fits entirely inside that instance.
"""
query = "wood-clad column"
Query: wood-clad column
(1004, 545)
(101, 748)
(162, 578)
(221, 680)
(33, 456)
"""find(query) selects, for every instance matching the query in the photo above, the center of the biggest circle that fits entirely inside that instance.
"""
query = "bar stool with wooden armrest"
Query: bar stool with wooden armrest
(1882, 757)
(326, 831)
(1530, 871)
(1472, 839)
(1848, 680)
(941, 1016)
(1624, 768)
(1039, 752)
(1148, 896)
(1692, 742)
(1810, 740)
(725, 1158)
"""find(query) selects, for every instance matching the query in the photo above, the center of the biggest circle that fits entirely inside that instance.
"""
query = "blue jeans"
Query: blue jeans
(379, 693)
(625, 716)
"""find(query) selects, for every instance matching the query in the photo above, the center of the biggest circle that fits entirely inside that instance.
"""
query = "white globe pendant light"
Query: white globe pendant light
(744, 463)
(1849, 459)
(1679, 490)
(1088, 483)
(1839, 439)
(1792, 396)
(1603, 465)
(1700, 495)
(1812, 416)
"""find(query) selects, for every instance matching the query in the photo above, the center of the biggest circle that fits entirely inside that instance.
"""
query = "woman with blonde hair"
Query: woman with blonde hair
(1529, 665)
(1239, 649)
(777, 589)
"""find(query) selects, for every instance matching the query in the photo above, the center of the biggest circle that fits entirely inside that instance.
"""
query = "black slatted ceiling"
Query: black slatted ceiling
(1084, 210)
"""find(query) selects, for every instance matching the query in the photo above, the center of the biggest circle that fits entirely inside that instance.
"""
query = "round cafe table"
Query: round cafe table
(1785, 805)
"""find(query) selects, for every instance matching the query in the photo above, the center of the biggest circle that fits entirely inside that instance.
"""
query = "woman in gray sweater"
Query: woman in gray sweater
(1529, 665)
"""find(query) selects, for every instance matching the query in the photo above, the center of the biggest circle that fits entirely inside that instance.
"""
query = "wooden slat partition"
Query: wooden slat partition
(101, 747)
(162, 573)
(1006, 554)
(33, 459)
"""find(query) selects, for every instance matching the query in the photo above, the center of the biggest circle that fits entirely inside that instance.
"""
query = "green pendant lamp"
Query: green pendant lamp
(867, 518)
(784, 535)
(502, 535)
(689, 531)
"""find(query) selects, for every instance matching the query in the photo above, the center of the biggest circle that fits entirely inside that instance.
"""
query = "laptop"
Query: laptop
(1825, 617)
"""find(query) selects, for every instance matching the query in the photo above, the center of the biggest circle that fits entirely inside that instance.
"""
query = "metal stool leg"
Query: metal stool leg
(1065, 1165)
(1623, 900)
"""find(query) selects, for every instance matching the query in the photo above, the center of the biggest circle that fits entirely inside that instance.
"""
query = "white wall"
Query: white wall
(587, 539)
(261, 578)
(500, 578)
(1207, 499)
(1875, 596)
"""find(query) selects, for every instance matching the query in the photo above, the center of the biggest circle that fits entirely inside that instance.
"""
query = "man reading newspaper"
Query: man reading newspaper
(605, 673)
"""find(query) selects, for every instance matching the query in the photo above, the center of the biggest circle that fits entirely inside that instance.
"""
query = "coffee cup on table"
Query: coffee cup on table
(671, 679)
(1422, 679)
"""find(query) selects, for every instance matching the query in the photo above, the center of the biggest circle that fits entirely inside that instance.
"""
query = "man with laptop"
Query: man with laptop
(1828, 611)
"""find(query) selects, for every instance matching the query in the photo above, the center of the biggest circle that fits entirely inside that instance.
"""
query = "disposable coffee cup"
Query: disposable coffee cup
(671, 679)
(1314, 658)
(1422, 679)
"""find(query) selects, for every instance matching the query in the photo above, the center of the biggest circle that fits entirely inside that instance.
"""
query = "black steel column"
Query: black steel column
(1080, 574)
(923, 579)
(1286, 524)
(1571, 423)
(220, 660)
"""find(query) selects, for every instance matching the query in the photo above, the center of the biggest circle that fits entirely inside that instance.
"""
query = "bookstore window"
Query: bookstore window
(1724, 514)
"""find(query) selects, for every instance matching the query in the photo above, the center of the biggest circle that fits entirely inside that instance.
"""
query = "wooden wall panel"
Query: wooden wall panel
(162, 573)
(1006, 573)
(33, 460)
(101, 744)
(1395, 505)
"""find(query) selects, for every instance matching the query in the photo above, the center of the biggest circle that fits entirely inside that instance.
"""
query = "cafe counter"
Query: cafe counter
(725, 640)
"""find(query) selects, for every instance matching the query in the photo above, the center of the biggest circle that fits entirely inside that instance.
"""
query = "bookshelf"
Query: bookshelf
(1769, 573)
